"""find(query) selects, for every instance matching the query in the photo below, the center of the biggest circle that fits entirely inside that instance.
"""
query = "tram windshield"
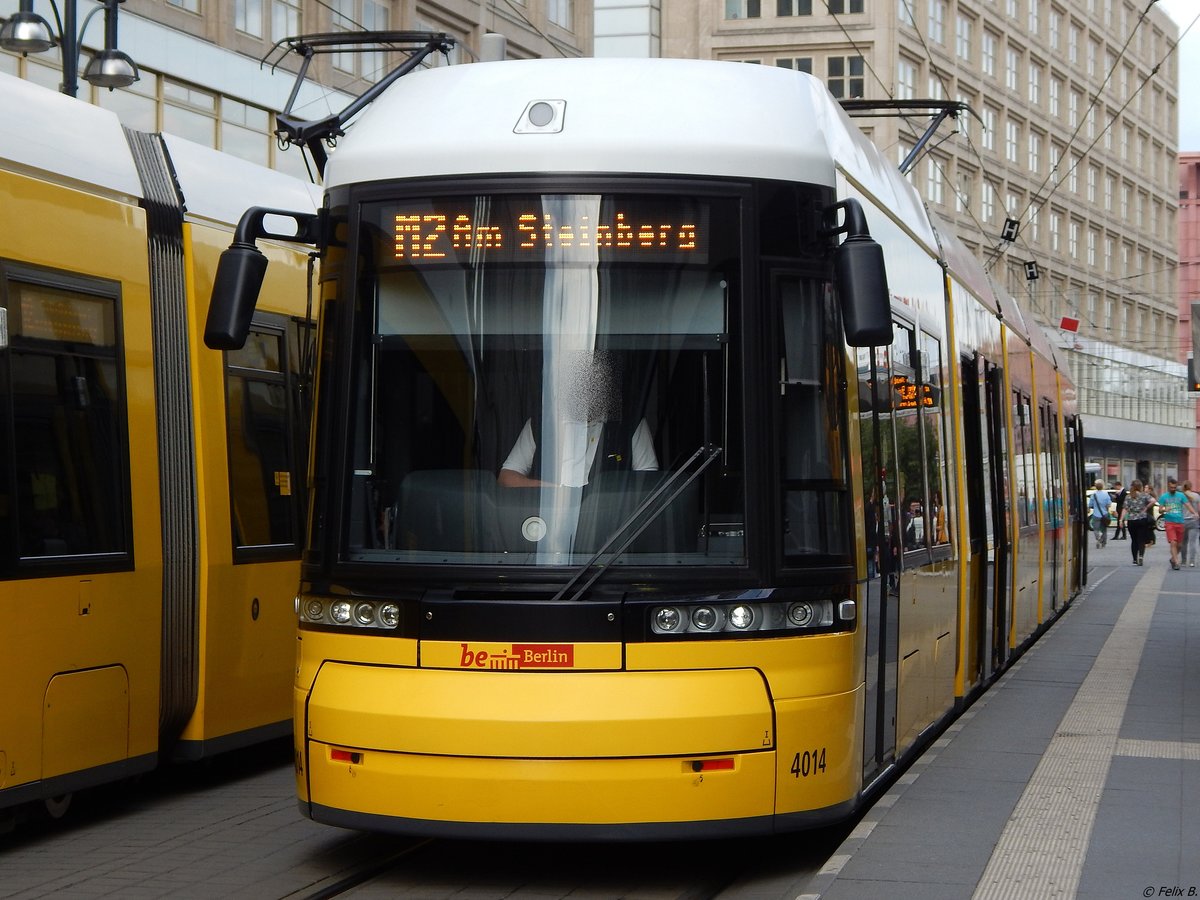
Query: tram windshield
(547, 377)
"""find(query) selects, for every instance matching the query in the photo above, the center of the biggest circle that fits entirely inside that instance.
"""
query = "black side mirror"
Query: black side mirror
(235, 290)
(240, 274)
(861, 280)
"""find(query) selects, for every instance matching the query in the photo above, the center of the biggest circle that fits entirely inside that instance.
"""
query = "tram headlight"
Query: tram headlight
(339, 611)
(704, 618)
(364, 613)
(762, 612)
(741, 616)
(389, 615)
(314, 609)
(667, 619)
(800, 614)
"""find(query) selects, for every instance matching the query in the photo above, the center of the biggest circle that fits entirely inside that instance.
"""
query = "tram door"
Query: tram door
(881, 522)
(978, 463)
(997, 485)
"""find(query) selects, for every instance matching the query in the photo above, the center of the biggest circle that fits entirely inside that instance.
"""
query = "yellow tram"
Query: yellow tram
(150, 493)
(675, 474)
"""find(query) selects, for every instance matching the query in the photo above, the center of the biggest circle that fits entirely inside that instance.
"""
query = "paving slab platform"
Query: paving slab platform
(1077, 775)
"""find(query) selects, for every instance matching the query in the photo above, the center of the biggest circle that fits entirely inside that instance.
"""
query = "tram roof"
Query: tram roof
(217, 186)
(48, 132)
(621, 116)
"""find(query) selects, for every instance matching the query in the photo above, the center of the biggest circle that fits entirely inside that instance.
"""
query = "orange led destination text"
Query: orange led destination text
(430, 236)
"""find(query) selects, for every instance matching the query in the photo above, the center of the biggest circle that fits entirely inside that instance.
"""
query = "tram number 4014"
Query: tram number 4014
(810, 762)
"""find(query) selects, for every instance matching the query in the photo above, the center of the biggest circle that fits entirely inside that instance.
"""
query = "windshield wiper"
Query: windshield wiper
(707, 453)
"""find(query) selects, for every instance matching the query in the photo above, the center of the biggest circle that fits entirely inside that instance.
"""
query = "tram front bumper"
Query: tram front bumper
(603, 754)
(439, 745)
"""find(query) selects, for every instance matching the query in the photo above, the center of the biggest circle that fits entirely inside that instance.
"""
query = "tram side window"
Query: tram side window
(262, 433)
(814, 514)
(934, 427)
(66, 495)
(1022, 451)
(906, 420)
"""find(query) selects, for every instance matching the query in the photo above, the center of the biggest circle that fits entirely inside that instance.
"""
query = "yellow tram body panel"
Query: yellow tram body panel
(246, 612)
(87, 661)
(447, 745)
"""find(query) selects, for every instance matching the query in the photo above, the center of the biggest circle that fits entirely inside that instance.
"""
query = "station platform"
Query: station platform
(1077, 775)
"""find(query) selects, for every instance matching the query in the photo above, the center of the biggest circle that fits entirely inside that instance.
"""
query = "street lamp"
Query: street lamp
(27, 32)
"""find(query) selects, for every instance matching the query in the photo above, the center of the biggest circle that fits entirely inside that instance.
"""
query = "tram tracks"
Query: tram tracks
(771, 867)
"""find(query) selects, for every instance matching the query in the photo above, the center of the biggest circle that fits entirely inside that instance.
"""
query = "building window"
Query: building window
(248, 17)
(246, 131)
(361, 15)
(793, 7)
(137, 105)
(906, 79)
(1012, 140)
(987, 206)
(797, 63)
(840, 7)
(1034, 22)
(935, 181)
(989, 53)
(285, 19)
(964, 192)
(743, 9)
(1012, 60)
(1035, 152)
(562, 12)
(845, 77)
(1035, 84)
(937, 21)
(1055, 228)
(988, 128)
(962, 37)
(904, 12)
(189, 112)
(192, 6)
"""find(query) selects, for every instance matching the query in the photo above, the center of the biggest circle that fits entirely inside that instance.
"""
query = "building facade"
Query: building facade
(1070, 142)
(208, 72)
(1189, 285)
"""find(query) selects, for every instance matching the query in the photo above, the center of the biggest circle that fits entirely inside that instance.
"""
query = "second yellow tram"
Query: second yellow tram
(150, 491)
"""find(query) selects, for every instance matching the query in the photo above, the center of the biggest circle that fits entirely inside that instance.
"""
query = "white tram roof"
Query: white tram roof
(72, 142)
(219, 187)
(66, 139)
(621, 116)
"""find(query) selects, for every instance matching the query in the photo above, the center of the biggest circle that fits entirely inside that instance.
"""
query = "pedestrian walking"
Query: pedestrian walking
(1099, 504)
(1191, 527)
(1121, 492)
(1172, 506)
(1136, 513)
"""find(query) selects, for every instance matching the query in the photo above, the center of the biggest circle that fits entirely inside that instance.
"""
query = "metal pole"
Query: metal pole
(70, 49)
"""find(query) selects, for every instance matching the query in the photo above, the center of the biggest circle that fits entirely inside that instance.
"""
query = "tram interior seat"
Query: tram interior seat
(613, 497)
(452, 509)
(448, 509)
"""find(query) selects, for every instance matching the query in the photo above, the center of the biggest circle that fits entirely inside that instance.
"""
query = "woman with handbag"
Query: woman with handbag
(1136, 516)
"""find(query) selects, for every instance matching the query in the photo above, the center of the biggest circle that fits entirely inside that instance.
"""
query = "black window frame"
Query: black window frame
(12, 564)
(296, 432)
